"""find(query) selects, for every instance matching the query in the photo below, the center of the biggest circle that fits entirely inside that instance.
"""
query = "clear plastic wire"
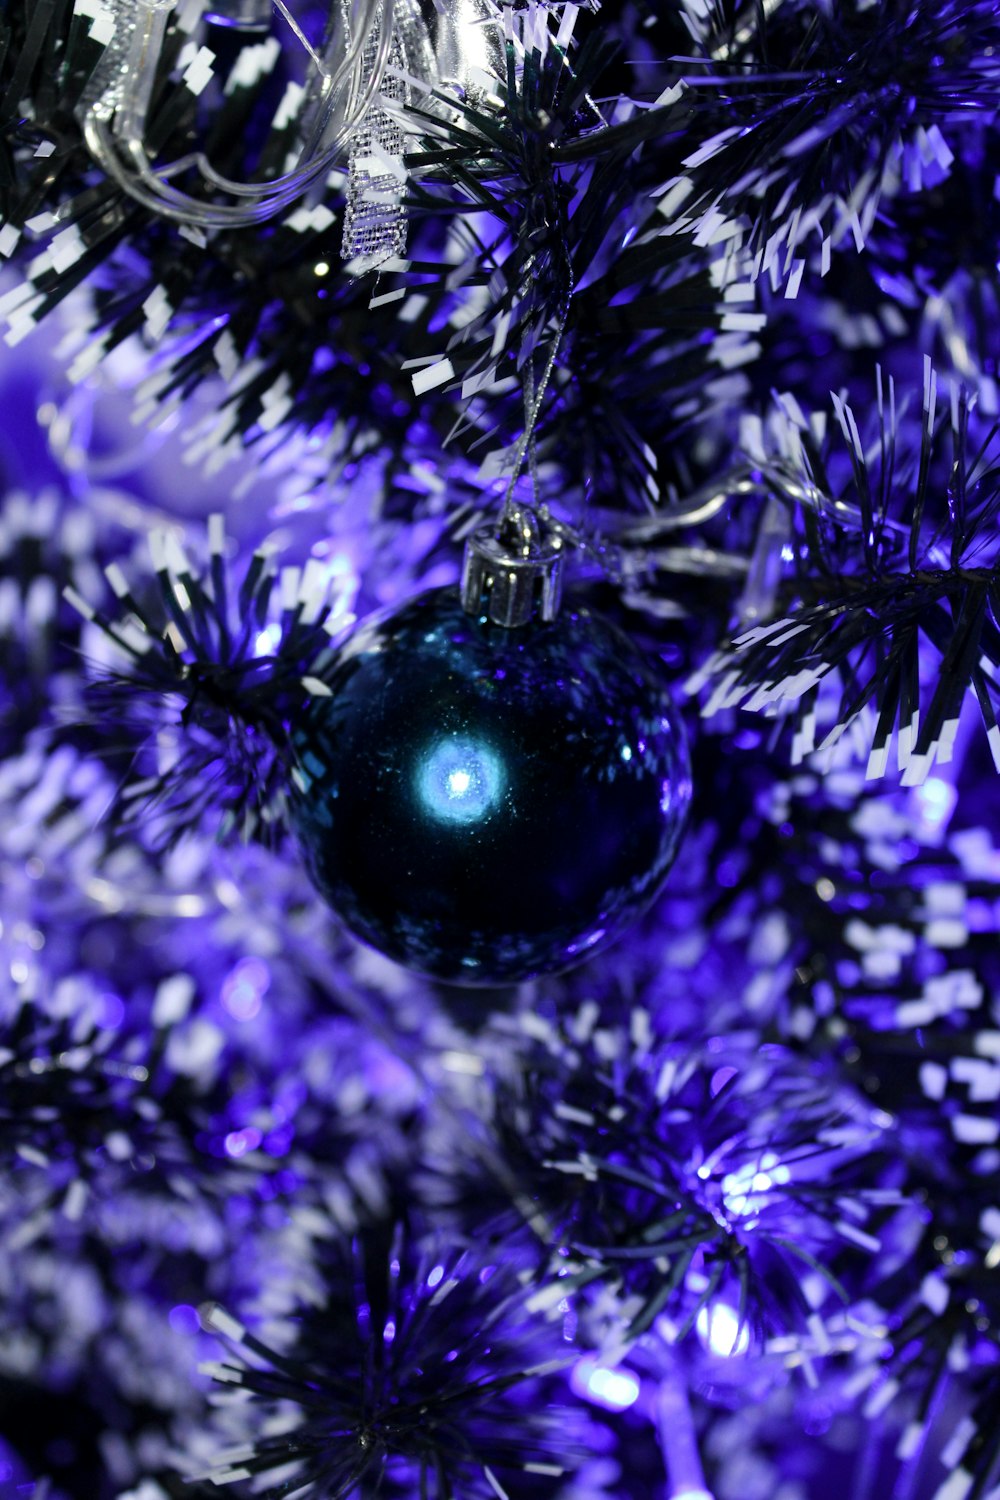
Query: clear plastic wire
(344, 83)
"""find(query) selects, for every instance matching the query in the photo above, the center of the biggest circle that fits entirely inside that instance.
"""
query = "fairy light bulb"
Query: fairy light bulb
(614, 1388)
(721, 1331)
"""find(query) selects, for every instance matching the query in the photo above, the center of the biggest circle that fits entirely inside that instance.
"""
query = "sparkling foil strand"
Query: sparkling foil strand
(375, 220)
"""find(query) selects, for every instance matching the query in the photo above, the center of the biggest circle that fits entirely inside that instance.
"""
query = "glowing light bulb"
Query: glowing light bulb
(614, 1389)
(720, 1330)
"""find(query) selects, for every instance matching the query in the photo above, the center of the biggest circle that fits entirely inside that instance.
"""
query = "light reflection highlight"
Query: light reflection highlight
(460, 781)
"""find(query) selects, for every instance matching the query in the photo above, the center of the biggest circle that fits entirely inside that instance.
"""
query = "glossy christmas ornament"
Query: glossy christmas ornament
(485, 803)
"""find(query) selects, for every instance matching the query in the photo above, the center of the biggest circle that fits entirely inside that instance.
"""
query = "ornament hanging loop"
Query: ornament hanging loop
(513, 570)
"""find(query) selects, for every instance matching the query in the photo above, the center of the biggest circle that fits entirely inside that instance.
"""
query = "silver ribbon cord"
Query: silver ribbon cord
(375, 219)
(105, 89)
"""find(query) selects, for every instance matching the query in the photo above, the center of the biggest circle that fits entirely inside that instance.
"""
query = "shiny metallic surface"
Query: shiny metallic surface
(467, 38)
(513, 571)
(483, 804)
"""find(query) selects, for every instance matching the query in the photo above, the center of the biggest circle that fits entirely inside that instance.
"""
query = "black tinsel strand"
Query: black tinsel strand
(434, 1387)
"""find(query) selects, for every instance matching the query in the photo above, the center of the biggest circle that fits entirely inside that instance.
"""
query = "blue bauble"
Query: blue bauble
(485, 804)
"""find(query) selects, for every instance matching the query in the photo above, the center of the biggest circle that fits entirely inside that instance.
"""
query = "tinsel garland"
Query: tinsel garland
(733, 1181)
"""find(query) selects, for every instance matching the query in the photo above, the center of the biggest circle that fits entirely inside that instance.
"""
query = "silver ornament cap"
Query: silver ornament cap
(512, 571)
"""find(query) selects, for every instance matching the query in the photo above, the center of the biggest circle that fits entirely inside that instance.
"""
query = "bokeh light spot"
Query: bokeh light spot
(244, 988)
(183, 1318)
(614, 1389)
